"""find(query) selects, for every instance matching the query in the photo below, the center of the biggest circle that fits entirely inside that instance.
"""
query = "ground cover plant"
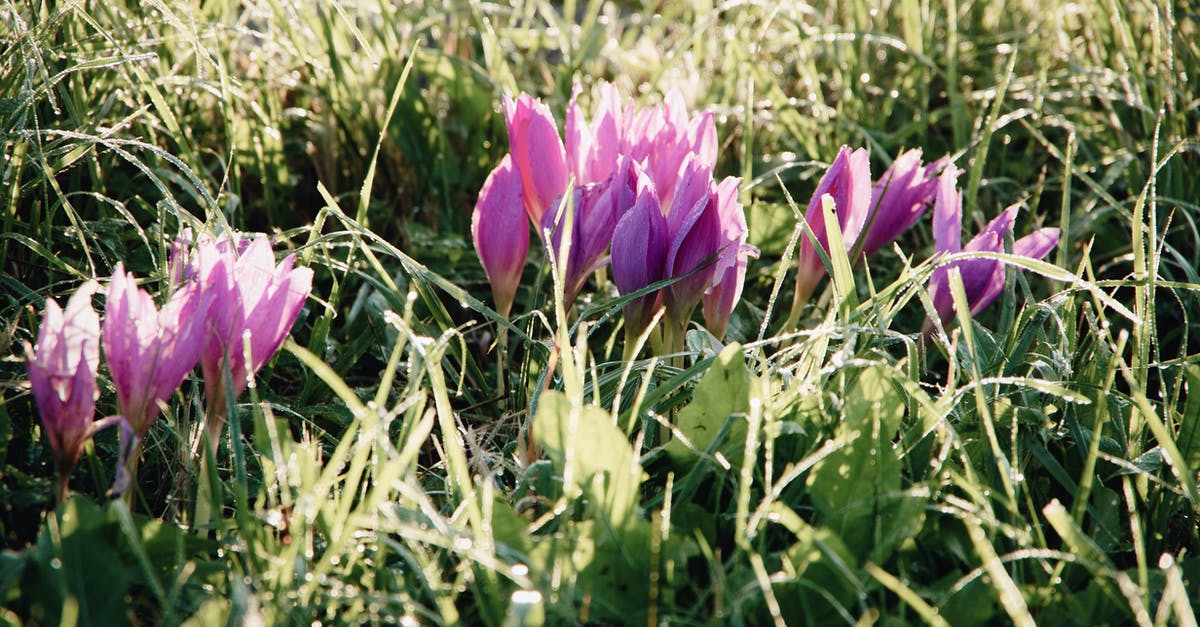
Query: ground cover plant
(612, 313)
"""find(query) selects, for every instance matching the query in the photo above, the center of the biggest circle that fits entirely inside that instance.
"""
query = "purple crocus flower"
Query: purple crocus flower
(639, 255)
(694, 236)
(256, 302)
(663, 137)
(62, 375)
(848, 181)
(899, 198)
(983, 279)
(730, 272)
(500, 233)
(149, 352)
(592, 148)
(537, 153)
(586, 208)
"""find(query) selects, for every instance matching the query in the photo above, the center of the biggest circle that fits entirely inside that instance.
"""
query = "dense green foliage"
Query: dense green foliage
(395, 464)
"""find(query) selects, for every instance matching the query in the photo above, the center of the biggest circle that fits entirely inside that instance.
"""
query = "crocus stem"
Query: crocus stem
(206, 502)
(61, 489)
(631, 338)
(131, 468)
(674, 334)
(502, 367)
(532, 451)
(799, 300)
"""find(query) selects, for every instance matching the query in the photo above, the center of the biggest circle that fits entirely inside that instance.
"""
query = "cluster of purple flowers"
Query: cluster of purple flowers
(642, 192)
(230, 308)
(870, 215)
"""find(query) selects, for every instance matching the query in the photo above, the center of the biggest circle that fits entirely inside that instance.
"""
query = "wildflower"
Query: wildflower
(595, 211)
(848, 181)
(537, 153)
(149, 352)
(663, 137)
(62, 375)
(639, 255)
(898, 200)
(592, 148)
(730, 272)
(500, 233)
(255, 304)
(983, 279)
(694, 235)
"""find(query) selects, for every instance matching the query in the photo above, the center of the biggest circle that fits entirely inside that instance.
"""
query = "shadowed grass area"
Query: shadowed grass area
(397, 463)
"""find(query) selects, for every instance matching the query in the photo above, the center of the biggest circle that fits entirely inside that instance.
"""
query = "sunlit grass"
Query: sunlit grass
(1037, 463)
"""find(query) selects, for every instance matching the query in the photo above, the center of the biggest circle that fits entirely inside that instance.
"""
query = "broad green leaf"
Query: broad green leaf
(723, 394)
(606, 568)
(63, 571)
(858, 486)
(825, 583)
(212, 613)
(12, 565)
(584, 442)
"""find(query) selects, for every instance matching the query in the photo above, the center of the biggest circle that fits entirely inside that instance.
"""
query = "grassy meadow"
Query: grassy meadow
(410, 456)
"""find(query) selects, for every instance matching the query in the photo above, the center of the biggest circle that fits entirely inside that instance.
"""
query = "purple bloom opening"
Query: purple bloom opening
(900, 197)
(256, 302)
(149, 352)
(730, 272)
(848, 181)
(694, 232)
(537, 153)
(639, 255)
(983, 279)
(592, 148)
(500, 233)
(62, 376)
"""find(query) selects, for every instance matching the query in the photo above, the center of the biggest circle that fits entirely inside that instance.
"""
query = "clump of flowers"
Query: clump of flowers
(255, 304)
(149, 353)
(229, 308)
(983, 279)
(871, 215)
(635, 190)
(642, 198)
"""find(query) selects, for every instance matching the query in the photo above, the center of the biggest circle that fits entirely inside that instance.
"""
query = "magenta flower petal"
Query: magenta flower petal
(947, 212)
(723, 296)
(693, 186)
(594, 217)
(62, 376)
(733, 223)
(983, 279)
(986, 289)
(276, 312)
(148, 352)
(500, 233)
(695, 236)
(898, 200)
(848, 181)
(592, 148)
(639, 254)
(730, 271)
(255, 302)
(702, 137)
(663, 138)
(537, 152)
